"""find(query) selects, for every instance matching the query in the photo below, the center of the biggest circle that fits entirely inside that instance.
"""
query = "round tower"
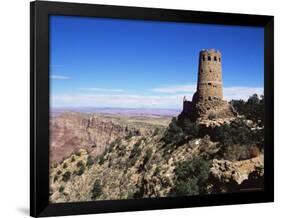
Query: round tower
(209, 84)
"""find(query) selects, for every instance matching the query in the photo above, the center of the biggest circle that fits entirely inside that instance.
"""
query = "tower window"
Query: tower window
(203, 58)
(219, 59)
(215, 58)
(209, 58)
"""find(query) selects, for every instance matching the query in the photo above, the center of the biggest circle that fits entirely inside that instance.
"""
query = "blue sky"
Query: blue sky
(99, 62)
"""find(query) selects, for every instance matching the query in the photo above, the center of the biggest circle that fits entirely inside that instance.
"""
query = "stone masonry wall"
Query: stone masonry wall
(209, 75)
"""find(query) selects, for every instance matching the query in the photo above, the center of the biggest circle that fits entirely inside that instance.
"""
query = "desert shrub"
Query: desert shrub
(238, 141)
(180, 131)
(147, 156)
(191, 177)
(72, 159)
(78, 153)
(190, 128)
(59, 172)
(80, 163)
(235, 133)
(135, 153)
(64, 166)
(252, 109)
(135, 150)
(81, 170)
(117, 141)
(173, 133)
(157, 171)
(102, 159)
(130, 195)
(90, 161)
(109, 149)
(66, 176)
(156, 131)
(234, 152)
(55, 178)
(138, 193)
(97, 189)
(188, 187)
(258, 136)
(61, 189)
(130, 135)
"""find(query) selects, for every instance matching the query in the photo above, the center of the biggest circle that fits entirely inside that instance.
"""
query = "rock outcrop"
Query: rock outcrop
(71, 131)
(236, 171)
(138, 167)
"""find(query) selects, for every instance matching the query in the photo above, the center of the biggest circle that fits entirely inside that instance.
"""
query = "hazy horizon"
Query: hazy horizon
(117, 63)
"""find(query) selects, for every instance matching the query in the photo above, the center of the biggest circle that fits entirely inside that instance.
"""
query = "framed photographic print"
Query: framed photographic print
(141, 109)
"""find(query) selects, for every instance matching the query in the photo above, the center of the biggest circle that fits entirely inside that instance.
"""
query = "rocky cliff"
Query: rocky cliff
(71, 131)
(137, 167)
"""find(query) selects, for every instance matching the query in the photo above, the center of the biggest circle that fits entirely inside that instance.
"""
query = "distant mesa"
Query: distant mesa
(207, 102)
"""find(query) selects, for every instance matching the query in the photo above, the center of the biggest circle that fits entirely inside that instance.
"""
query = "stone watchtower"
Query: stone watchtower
(207, 102)
(209, 84)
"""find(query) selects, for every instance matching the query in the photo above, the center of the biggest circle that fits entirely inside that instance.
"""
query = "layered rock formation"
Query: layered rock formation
(71, 131)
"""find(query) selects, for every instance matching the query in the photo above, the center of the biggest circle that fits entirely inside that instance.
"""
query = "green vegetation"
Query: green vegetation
(90, 161)
(173, 133)
(157, 171)
(109, 149)
(78, 153)
(135, 153)
(102, 159)
(191, 177)
(130, 135)
(235, 133)
(80, 163)
(252, 109)
(66, 176)
(156, 131)
(147, 156)
(59, 172)
(191, 129)
(97, 189)
(61, 189)
(55, 178)
(81, 170)
(238, 141)
(178, 133)
(135, 150)
(130, 195)
(241, 139)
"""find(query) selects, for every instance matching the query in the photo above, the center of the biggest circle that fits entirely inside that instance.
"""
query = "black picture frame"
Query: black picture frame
(39, 107)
